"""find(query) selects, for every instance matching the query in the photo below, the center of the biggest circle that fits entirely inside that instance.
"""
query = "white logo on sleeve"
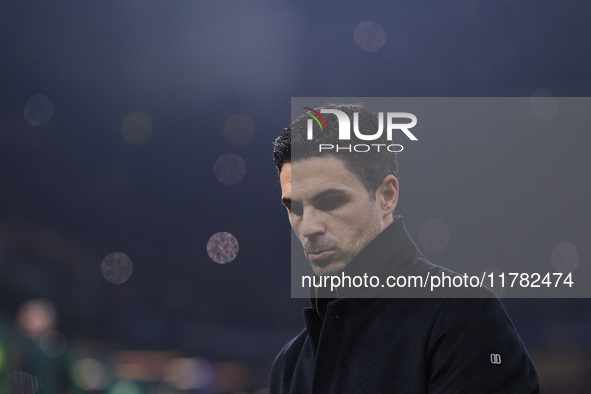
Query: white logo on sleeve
(495, 358)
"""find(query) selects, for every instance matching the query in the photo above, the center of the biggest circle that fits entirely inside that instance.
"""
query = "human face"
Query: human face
(330, 211)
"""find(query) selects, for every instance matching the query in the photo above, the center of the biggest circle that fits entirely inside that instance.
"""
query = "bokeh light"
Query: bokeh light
(189, 373)
(20, 382)
(434, 235)
(543, 104)
(229, 169)
(3, 357)
(136, 128)
(38, 110)
(53, 343)
(565, 257)
(125, 387)
(37, 316)
(222, 247)
(89, 374)
(239, 129)
(369, 36)
(116, 267)
(232, 376)
(140, 365)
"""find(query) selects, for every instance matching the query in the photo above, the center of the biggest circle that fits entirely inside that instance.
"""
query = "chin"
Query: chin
(328, 269)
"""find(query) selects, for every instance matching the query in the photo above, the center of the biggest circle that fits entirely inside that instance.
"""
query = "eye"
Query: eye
(328, 204)
(296, 209)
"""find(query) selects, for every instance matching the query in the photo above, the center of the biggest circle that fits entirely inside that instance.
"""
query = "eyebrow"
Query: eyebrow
(287, 201)
(326, 193)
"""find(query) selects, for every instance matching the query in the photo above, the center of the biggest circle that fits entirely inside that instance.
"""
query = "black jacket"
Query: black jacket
(403, 345)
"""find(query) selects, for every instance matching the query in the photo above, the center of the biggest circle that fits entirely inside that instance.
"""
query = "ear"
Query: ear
(387, 195)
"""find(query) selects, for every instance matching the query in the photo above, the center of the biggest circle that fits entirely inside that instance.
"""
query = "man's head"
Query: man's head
(370, 168)
(337, 202)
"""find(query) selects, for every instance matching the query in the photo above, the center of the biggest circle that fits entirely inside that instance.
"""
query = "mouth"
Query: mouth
(319, 256)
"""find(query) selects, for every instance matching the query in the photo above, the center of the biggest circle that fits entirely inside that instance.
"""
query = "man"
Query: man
(368, 339)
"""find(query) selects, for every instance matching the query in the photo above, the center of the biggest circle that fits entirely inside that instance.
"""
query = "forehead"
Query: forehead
(307, 177)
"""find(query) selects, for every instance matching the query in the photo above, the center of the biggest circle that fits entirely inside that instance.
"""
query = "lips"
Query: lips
(320, 255)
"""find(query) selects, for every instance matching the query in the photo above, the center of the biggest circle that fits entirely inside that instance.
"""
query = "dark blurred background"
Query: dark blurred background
(143, 247)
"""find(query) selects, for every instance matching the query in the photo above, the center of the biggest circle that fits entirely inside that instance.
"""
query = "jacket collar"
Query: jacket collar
(392, 252)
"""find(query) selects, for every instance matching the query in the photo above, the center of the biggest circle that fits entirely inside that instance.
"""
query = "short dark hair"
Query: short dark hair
(370, 168)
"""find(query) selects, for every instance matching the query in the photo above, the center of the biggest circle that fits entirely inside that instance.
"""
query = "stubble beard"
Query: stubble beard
(366, 232)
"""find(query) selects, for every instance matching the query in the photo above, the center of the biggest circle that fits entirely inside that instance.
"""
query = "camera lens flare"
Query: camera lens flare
(116, 268)
(565, 257)
(37, 316)
(239, 129)
(229, 169)
(38, 111)
(434, 235)
(222, 247)
(136, 128)
(53, 343)
(89, 374)
(369, 36)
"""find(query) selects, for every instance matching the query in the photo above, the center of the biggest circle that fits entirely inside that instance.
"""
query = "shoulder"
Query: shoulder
(479, 316)
(293, 347)
(284, 365)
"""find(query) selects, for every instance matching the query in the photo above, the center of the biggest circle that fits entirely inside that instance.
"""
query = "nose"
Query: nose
(311, 224)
